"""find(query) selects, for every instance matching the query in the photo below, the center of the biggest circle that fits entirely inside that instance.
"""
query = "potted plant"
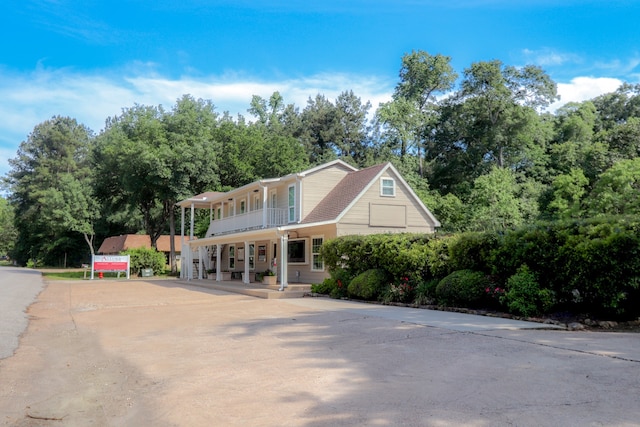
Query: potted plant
(211, 273)
(226, 275)
(269, 278)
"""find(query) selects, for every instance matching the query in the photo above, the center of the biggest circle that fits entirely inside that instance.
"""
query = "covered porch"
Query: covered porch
(247, 253)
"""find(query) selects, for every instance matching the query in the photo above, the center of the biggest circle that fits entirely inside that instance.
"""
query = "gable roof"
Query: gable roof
(343, 194)
(351, 188)
(116, 244)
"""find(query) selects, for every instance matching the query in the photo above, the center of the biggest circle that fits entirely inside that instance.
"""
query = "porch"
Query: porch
(253, 220)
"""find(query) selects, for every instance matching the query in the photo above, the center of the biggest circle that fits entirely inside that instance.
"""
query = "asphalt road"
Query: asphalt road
(168, 353)
(19, 288)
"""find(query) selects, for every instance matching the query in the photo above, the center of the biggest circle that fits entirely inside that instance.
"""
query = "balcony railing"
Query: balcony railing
(263, 218)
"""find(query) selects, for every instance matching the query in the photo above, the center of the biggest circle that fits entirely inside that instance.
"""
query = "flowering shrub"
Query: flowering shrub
(494, 296)
(401, 291)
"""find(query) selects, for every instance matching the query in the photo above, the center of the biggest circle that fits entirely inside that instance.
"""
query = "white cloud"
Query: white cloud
(29, 99)
(546, 57)
(583, 88)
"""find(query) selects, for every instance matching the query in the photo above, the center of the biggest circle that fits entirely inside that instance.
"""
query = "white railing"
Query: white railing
(263, 218)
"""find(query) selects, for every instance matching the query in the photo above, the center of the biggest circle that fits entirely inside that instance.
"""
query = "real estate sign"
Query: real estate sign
(110, 264)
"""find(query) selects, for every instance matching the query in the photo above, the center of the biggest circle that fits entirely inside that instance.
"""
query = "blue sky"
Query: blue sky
(88, 59)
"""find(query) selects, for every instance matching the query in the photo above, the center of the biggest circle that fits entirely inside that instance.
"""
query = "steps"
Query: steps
(257, 290)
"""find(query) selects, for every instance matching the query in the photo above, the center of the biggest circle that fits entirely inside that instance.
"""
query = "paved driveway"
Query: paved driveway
(19, 288)
(168, 353)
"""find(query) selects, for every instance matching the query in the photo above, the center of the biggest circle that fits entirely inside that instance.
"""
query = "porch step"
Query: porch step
(257, 290)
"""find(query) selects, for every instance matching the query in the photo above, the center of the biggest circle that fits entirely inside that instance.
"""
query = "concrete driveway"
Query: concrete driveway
(164, 353)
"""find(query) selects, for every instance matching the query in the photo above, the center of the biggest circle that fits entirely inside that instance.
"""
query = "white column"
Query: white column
(284, 244)
(200, 262)
(246, 263)
(264, 208)
(182, 245)
(218, 262)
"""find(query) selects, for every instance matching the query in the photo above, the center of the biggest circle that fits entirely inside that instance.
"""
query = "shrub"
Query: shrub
(524, 296)
(425, 293)
(334, 286)
(368, 285)
(462, 288)
(401, 290)
(145, 258)
(472, 251)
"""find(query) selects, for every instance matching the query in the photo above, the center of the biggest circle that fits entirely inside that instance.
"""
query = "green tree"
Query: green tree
(50, 192)
(616, 191)
(568, 191)
(409, 119)
(8, 232)
(494, 202)
(156, 158)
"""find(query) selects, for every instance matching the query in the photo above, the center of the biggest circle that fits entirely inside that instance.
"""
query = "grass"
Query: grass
(68, 275)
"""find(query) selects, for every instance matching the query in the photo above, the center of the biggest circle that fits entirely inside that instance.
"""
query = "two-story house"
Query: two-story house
(279, 224)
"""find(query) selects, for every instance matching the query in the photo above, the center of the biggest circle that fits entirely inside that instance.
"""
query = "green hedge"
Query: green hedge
(587, 267)
(145, 258)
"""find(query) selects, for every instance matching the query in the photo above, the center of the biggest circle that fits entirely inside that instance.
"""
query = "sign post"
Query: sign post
(110, 264)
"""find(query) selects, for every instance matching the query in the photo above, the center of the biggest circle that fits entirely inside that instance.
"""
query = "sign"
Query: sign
(110, 263)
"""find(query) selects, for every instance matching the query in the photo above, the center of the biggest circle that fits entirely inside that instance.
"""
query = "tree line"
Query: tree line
(478, 148)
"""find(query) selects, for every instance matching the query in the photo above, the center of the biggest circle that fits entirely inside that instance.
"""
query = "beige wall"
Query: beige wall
(374, 213)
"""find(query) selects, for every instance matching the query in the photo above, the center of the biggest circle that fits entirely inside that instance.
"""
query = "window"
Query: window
(292, 203)
(252, 256)
(232, 257)
(296, 251)
(316, 260)
(256, 202)
(387, 187)
(274, 199)
(243, 206)
(218, 214)
(232, 208)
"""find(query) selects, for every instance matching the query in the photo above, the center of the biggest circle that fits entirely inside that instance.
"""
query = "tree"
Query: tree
(351, 128)
(8, 232)
(130, 166)
(568, 191)
(616, 191)
(50, 184)
(318, 131)
(191, 157)
(494, 203)
(409, 119)
(156, 158)
(502, 102)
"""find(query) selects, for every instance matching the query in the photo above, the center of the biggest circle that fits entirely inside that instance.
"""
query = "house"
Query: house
(116, 244)
(279, 224)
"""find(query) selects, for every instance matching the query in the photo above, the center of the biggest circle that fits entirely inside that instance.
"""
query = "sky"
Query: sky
(90, 59)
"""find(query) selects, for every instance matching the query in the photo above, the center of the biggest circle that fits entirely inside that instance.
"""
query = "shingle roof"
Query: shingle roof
(345, 192)
(116, 244)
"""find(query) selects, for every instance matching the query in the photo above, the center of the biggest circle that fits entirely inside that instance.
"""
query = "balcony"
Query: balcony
(263, 218)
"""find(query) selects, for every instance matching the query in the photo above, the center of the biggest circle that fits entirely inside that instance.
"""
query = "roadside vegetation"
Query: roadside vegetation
(589, 268)
(479, 148)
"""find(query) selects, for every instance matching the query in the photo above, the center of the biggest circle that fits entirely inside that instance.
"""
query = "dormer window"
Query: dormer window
(387, 187)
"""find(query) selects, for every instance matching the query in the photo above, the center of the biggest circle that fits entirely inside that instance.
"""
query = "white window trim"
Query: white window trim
(249, 256)
(382, 187)
(229, 258)
(315, 253)
(306, 251)
(289, 205)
